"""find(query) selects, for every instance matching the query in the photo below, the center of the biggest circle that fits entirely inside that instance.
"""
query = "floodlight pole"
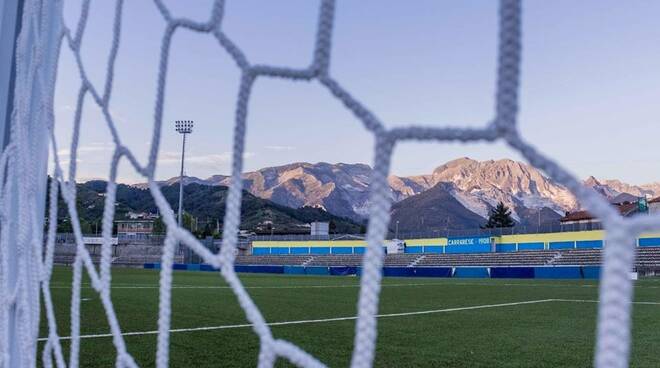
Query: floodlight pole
(184, 127)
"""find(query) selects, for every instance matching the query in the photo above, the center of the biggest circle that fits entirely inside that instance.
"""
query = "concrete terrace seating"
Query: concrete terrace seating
(283, 260)
(400, 260)
(132, 260)
(648, 256)
(337, 260)
(526, 258)
(391, 260)
(583, 257)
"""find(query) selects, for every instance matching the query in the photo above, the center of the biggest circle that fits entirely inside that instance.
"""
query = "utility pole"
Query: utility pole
(184, 127)
(396, 235)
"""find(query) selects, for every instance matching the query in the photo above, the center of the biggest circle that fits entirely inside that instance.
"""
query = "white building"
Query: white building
(319, 228)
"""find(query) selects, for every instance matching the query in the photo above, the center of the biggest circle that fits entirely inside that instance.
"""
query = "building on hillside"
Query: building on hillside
(623, 198)
(134, 229)
(318, 228)
(141, 215)
(654, 205)
(583, 220)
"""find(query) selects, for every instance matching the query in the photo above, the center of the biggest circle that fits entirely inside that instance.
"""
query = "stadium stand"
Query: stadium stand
(648, 259)
(133, 260)
(646, 256)
(527, 258)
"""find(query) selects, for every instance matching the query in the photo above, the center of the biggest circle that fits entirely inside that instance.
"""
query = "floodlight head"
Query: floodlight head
(184, 126)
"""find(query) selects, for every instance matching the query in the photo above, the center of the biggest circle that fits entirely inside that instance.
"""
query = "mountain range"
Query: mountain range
(457, 194)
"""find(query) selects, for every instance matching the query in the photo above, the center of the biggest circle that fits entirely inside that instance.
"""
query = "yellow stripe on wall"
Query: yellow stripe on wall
(552, 237)
(504, 239)
(651, 235)
(432, 241)
(308, 243)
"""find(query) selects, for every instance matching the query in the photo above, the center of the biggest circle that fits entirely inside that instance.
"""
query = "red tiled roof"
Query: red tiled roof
(577, 216)
(624, 209)
(627, 208)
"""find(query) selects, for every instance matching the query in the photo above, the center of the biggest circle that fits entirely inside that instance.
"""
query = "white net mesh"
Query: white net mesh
(38, 46)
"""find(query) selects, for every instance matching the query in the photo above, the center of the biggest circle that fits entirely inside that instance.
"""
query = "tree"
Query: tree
(188, 221)
(332, 227)
(500, 216)
(159, 226)
(207, 230)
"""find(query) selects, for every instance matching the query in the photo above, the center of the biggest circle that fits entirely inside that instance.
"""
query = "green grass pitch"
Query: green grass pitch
(545, 334)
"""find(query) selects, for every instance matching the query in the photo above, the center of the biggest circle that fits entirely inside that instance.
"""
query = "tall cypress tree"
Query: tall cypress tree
(500, 216)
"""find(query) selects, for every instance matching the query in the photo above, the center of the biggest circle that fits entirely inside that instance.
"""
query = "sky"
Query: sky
(590, 87)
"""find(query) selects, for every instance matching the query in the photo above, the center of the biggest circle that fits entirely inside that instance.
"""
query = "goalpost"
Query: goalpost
(26, 264)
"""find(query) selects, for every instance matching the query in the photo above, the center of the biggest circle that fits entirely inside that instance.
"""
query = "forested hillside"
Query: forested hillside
(205, 206)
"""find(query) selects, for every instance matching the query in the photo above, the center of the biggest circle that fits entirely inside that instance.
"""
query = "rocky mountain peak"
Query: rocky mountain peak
(591, 181)
(475, 186)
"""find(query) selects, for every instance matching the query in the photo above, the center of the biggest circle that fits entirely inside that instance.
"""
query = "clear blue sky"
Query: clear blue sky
(590, 83)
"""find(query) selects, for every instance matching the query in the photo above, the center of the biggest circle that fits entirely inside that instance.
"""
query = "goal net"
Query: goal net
(26, 260)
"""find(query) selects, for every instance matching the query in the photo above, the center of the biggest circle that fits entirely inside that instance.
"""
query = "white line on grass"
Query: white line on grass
(335, 319)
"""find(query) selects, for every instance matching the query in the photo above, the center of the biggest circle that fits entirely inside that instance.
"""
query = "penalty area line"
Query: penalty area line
(310, 321)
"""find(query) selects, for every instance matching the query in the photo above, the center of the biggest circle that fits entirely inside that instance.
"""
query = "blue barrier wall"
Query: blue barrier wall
(343, 271)
(206, 267)
(591, 272)
(260, 251)
(557, 273)
(479, 248)
(294, 270)
(342, 250)
(319, 250)
(279, 250)
(299, 250)
(317, 270)
(471, 272)
(589, 244)
(433, 249)
(397, 271)
(530, 246)
(562, 245)
(414, 249)
(431, 271)
(505, 247)
(358, 250)
(512, 272)
(649, 242)
(259, 269)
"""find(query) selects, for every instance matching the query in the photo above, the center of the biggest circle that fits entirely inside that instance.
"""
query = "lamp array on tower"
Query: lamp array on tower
(184, 126)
